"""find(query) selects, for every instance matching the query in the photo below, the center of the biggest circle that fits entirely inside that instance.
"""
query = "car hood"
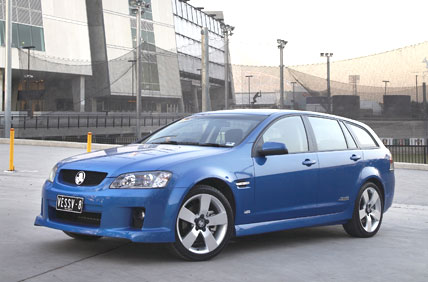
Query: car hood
(137, 157)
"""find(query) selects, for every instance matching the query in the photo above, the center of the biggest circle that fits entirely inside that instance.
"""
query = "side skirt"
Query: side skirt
(278, 225)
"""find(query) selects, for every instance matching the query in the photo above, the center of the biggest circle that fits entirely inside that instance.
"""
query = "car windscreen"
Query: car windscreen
(207, 130)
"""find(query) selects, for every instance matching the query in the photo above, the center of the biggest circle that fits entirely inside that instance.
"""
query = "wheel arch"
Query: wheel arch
(379, 184)
(221, 186)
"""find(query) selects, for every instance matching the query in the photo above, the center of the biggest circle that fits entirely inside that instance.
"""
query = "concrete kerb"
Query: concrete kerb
(78, 145)
(411, 166)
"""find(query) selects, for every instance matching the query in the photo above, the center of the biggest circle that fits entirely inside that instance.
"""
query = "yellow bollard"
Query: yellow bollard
(89, 145)
(12, 141)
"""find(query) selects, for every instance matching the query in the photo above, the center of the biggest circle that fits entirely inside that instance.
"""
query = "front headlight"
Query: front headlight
(53, 173)
(142, 180)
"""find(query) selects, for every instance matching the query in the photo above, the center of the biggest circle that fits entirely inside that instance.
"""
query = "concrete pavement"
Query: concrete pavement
(28, 253)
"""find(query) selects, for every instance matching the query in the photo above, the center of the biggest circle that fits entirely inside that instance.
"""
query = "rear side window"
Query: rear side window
(328, 134)
(349, 139)
(289, 131)
(364, 138)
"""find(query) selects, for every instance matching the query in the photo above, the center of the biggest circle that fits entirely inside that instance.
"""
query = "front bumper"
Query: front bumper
(114, 209)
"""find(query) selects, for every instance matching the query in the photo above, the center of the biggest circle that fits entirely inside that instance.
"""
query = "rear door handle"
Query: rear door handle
(308, 162)
(355, 157)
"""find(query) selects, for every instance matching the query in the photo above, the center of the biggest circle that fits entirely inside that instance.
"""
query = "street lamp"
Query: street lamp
(227, 31)
(386, 83)
(249, 88)
(281, 45)
(328, 55)
(138, 7)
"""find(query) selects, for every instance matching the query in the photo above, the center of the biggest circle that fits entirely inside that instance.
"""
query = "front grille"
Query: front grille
(92, 178)
(85, 218)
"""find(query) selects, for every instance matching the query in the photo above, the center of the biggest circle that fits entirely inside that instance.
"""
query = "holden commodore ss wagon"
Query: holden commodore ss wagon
(205, 178)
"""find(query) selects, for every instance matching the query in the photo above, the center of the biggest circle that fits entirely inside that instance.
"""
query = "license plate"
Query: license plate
(69, 204)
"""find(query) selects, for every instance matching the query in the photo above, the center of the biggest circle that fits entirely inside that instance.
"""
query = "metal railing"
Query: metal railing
(87, 121)
(409, 153)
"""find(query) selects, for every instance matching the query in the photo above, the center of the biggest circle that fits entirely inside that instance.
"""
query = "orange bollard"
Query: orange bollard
(89, 145)
(11, 148)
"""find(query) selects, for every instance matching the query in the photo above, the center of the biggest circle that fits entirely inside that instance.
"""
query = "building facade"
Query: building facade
(83, 58)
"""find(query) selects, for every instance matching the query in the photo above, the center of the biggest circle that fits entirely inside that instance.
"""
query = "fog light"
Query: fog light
(138, 215)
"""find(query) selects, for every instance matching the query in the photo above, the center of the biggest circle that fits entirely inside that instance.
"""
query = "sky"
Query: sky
(348, 29)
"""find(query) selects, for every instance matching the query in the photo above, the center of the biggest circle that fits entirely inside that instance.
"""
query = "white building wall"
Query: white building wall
(66, 40)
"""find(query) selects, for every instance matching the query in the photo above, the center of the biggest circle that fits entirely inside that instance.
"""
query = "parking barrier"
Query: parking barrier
(89, 145)
(11, 149)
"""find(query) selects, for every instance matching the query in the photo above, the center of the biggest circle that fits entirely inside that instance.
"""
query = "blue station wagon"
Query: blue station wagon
(201, 180)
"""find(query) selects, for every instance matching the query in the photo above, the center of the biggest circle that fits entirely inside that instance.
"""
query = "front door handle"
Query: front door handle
(308, 162)
(355, 157)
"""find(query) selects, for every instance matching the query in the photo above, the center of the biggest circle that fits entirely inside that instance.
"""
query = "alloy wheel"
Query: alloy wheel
(202, 223)
(370, 209)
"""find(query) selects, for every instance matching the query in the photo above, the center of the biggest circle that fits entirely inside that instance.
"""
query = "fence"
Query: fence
(87, 121)
(409, 153)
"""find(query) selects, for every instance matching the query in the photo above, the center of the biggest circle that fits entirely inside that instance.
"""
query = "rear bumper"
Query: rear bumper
(113, 210)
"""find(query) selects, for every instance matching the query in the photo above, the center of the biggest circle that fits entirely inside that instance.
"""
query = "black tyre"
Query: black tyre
(368, 212)
(85, 237)
(204, 224)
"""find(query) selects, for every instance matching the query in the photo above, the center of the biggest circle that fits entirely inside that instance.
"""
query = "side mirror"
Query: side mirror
(272, 148)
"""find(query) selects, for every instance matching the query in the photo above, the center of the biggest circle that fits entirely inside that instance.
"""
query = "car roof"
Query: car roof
(265, 112)
(274, 112)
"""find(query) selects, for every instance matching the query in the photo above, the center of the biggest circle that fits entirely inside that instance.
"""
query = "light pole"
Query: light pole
(281, 45)
(328, 55)
(386, 83)
(249, 88)
(227, 31)
(8, 70)
(27, 77)
(294, 94)
(138, 7)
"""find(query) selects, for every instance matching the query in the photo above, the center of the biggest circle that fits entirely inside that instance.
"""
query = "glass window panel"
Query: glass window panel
(155, 74)
(2, 38)
(184, 6)
(204, 23)
(199, 16)
(189, 13)
(148, 15)
(364, 138)
(24, 35)
(15, 38)
(151, 37)
(328, 134)
(179, 8)
(174, 6)
(37, 38)
(349, 139)
(289, 131)
(194, 14)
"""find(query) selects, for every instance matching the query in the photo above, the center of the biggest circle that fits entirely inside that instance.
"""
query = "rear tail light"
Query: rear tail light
(391, 163)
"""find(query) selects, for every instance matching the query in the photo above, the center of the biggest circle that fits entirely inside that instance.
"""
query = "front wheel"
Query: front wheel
(368, 212)
(204, 224)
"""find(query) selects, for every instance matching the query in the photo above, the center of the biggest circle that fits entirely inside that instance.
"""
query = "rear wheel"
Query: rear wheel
(79, 236)
(204, 224)
(368, 212)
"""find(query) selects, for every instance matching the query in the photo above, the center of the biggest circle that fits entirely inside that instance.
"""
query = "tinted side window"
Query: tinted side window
(349, 139)
(328, 134)
(289, 131)
(364, 138)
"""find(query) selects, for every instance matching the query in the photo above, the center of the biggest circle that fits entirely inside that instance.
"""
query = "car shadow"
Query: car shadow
(135, 253)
